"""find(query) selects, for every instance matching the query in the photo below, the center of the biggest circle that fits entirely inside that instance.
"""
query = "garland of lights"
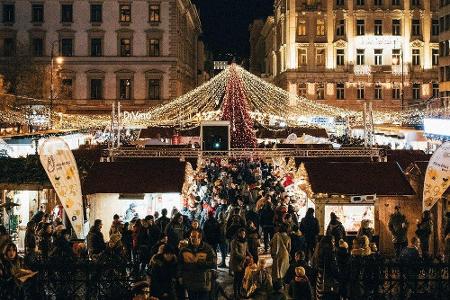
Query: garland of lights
(235, 110)
(266, 102)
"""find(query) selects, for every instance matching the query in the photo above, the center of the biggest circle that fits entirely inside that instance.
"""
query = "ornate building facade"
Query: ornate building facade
(444, 49)
(347, 52)
(141, 52)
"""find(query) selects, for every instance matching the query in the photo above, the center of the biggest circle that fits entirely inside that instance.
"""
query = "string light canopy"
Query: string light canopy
(265, 101)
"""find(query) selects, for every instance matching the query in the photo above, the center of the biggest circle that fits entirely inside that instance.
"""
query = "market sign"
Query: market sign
(61, 168)
(437, 177)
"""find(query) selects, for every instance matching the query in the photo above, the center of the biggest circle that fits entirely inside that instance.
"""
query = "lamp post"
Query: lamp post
(59, 61)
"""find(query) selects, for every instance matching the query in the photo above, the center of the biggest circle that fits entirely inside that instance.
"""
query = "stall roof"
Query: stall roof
(133, 177)
(358, 178)
(166, 132)
(264, 133)
(406, 157)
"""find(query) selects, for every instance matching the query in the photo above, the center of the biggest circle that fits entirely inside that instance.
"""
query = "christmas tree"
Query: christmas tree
(235, 110)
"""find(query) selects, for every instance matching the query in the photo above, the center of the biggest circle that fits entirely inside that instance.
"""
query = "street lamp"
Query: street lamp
(59, 61)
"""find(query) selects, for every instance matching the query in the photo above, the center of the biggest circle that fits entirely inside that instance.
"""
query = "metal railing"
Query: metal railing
(124, 152)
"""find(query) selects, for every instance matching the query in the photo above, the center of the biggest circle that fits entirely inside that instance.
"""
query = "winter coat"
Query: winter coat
(366, 230)
(290, 274)
(253, 242)
(260, 285)
(300, 288)
(266, 216)
(175, 233)
(116, 227)
(239, 250)
(30, 241)
(280, 246)
(309, 226)
(163, 274)
(195, 265)
(297, 243)
(337, 230)
(232, 228)
(162, 223)
(212, 232)
(424, 230)
(95, 241)
(45, 243)
(398, 226)
(154, 234)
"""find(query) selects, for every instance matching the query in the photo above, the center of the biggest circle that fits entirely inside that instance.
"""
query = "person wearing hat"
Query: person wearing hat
(335, 228)
(300, 287)
(163, 272)
(398, 226)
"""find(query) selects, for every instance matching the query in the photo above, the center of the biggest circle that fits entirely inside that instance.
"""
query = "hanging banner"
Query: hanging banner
(61, 168)
(437, 177)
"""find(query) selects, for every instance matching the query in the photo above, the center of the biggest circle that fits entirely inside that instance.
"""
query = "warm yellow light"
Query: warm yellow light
(59, 60)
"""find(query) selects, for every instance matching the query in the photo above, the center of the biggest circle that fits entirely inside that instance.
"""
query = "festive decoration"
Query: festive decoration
(437, 177)
(235, 110)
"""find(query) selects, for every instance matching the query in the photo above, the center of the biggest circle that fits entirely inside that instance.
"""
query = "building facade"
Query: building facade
(346, 52)
(444, 50)
(142, 52)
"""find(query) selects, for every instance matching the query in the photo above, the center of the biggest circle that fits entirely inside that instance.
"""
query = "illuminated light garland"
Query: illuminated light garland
(266, 101)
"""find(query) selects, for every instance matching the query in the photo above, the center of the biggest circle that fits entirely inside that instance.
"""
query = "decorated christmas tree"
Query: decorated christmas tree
(235, 110)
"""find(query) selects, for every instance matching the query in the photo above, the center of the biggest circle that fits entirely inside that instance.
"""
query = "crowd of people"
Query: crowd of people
(230, 209)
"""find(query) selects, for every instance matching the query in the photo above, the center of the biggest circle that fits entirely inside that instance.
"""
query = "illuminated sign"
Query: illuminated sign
(437, 126)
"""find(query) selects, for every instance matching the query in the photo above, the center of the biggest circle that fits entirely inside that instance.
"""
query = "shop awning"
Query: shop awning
(136, 176)
(358, 178)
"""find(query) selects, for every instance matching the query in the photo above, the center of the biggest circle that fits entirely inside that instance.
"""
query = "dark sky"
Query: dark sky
(225, 23)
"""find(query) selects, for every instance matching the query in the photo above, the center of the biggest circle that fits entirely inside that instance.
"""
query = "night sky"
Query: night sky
(225, 23)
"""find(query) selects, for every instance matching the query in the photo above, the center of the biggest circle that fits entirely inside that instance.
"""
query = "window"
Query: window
(38, 47)
(415, 3)
(378, 91)
(435, 56)
(395, 2)
(360, 57)
(360, 2)
(67, 13)
(320, 57)
(66, 88)
(396, 57)
(37, 13)
(378, 2)
(302, 58)
(320, 92)
(96, 13)
(378, 53)
(125, 12)
(378, 27)
(360, 92)
(9, 47)
(435, 89)
(302, 89)
(340, 3)
(435, 27)
(416, 91)
(340, 91)
(416, 57)
(415, 27)
(396, 27)
(360, 30)
(154, 89)
(320, 31)
(301, 29)
(154, 47)
(8, 13)
(154, 13)
(125, 89)
(125, 47)
(340, 57)
(96, 89)
(396, 94)
(340, 28)
(96, 47)
(66, 47)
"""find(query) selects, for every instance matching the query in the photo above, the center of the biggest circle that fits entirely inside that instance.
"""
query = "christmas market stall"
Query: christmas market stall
(134, 188)
(357, 191)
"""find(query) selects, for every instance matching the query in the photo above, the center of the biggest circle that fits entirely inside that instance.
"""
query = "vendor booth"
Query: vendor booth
(133, 189)
(357, 191)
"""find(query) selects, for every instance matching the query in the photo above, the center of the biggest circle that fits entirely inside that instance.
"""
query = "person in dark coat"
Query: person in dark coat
(335, 228)
(309, 226)
(95, 241)
(424, 231)
(253, 240)
(212, 231)
(398, 226)
(266, 221)
(163, 272)
(299, 261)
(45, 240)
(300, 287)
(298, 242)
(163, 221)
(343, 262)
(30, 238)
(176, 230)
